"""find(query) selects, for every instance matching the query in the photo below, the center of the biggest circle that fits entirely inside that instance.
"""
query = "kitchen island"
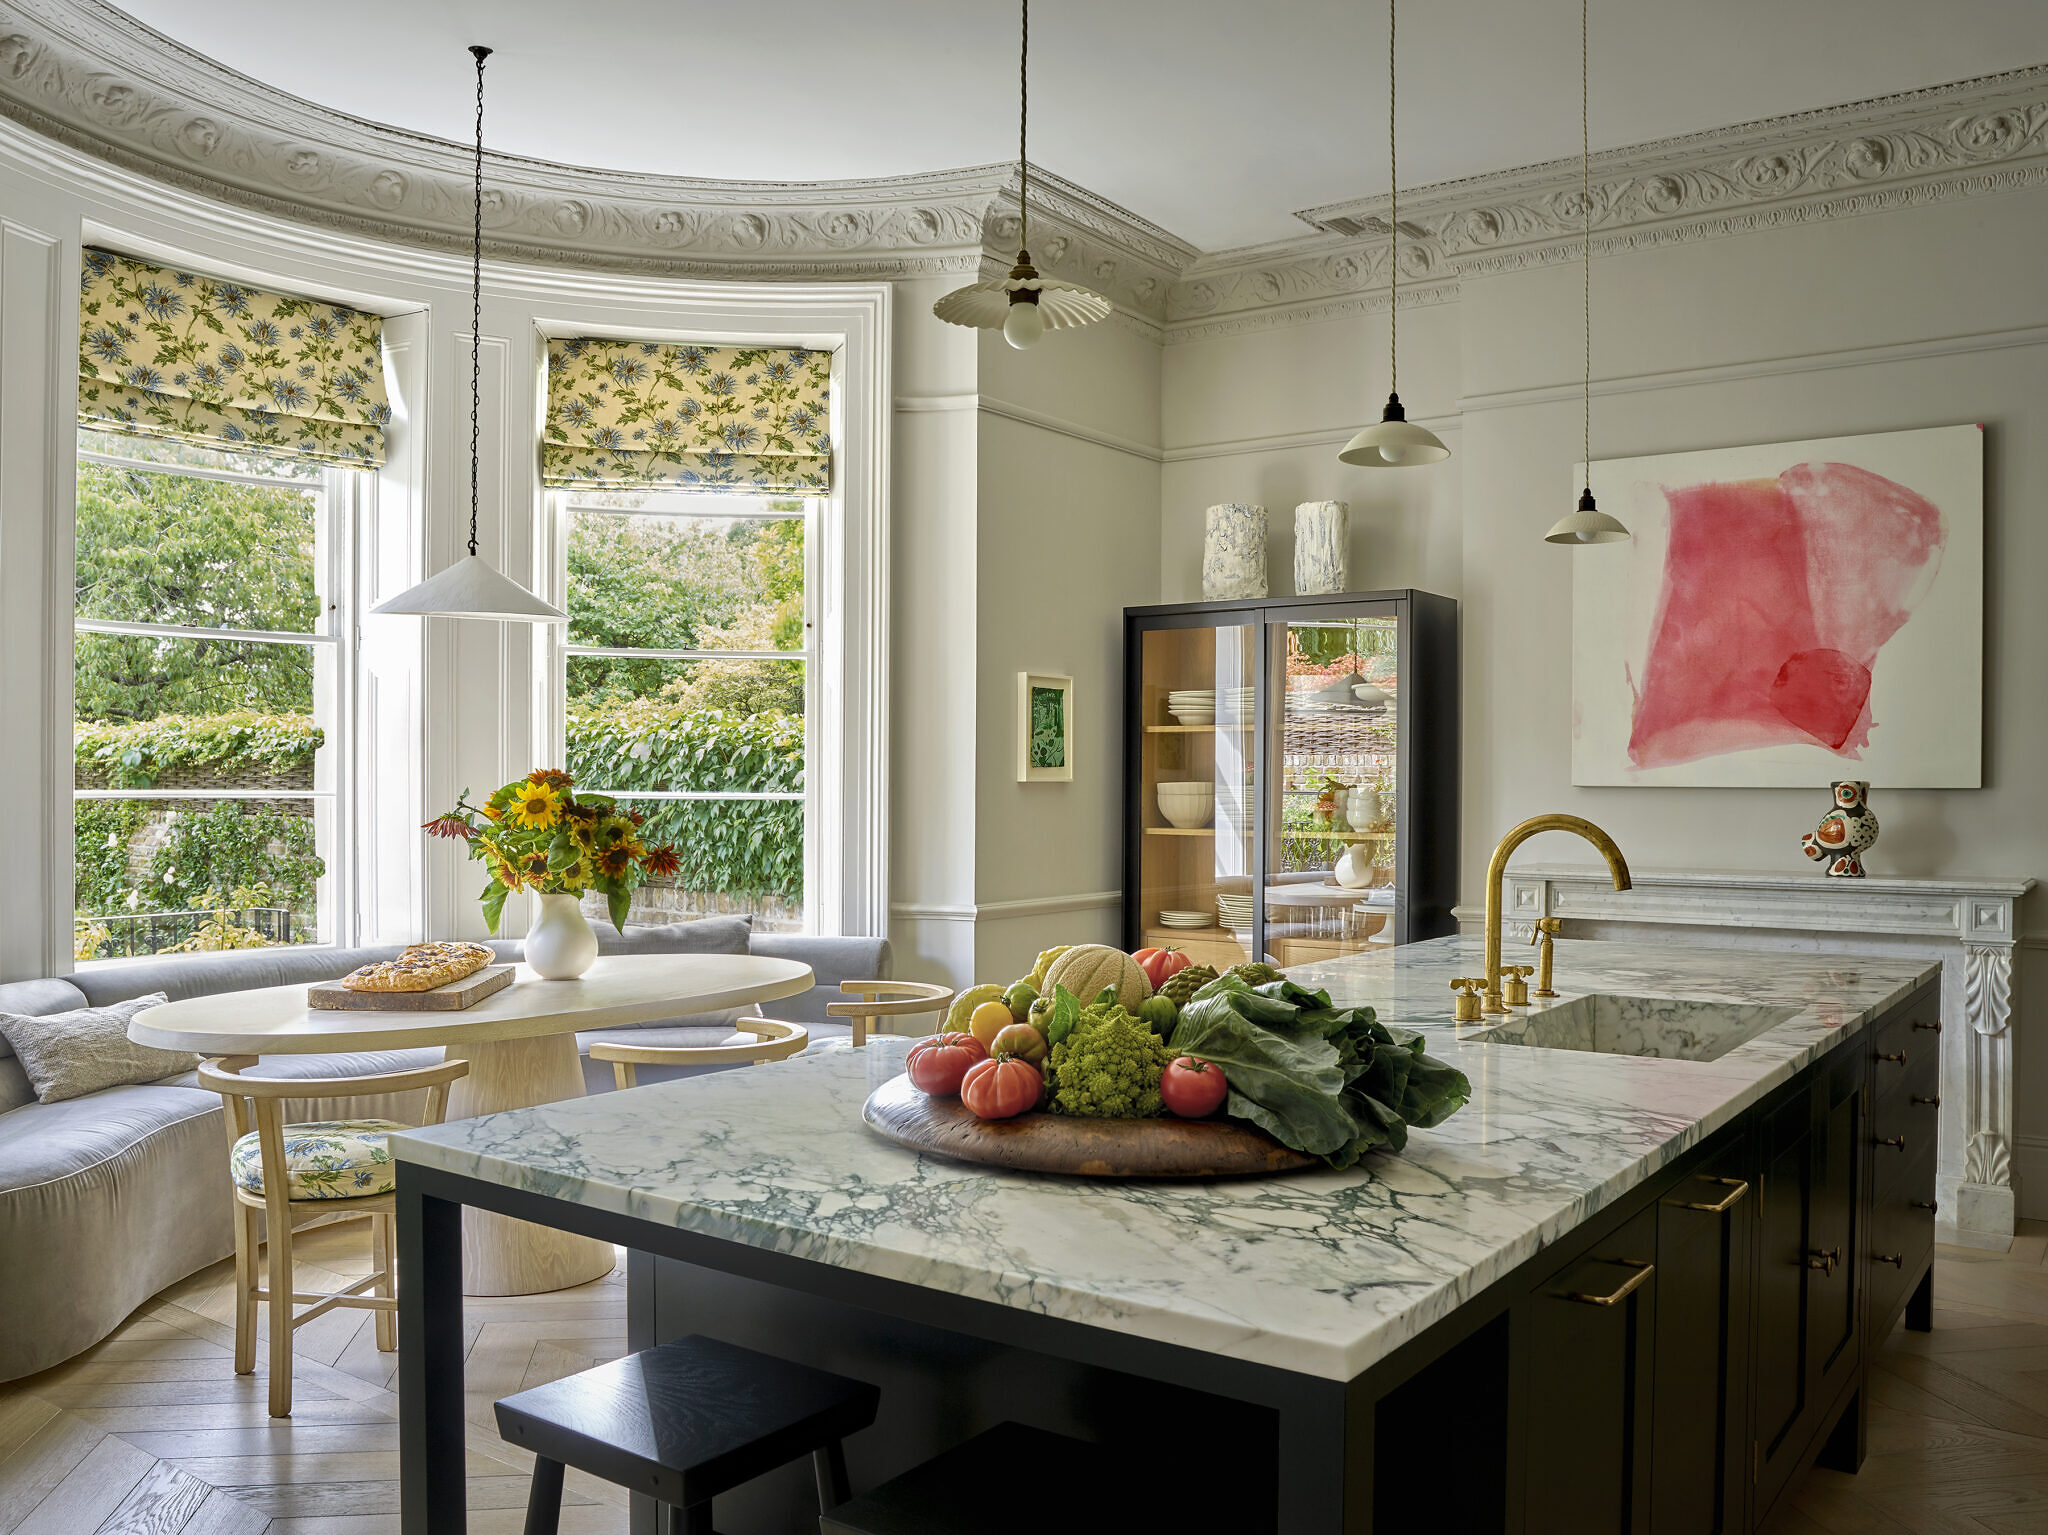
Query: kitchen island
(1613, 1292)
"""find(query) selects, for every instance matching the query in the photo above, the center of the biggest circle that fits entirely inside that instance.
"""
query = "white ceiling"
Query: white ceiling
(1213, 118)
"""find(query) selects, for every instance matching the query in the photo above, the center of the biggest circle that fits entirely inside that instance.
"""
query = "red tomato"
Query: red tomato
(1161, 965)
(1002, 1088)
(938, 1064)
(1193, 1088)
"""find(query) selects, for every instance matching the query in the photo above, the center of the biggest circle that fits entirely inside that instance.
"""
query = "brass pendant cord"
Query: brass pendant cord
(476, 297)
(1393, 226)
(1023, 119)
(1586, 212)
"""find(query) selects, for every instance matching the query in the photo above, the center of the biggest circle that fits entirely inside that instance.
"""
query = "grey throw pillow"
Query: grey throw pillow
(68, 1055)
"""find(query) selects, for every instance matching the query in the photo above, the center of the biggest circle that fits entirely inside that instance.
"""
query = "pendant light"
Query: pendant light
(1588, 524)
(1396, 442)
(472, 588)
(1024, 306)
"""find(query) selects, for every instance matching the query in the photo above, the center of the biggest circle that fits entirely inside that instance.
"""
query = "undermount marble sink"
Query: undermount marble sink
(1665, 1027)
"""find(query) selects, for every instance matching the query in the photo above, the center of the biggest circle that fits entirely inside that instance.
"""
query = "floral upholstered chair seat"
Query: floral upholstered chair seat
(325, 1159)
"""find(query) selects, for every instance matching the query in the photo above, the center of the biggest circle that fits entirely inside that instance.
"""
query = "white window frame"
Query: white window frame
(562, 507)
(342, 497)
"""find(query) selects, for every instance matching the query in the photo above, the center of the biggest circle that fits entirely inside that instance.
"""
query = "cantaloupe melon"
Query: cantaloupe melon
(1087, 969)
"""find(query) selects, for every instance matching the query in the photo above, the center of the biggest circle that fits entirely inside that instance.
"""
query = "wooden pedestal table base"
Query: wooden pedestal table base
(502, 1256)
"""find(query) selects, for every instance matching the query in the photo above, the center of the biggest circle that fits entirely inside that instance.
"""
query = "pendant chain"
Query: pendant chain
(1393, 226)
(1586, 212)
(476, 298)
(1024, 117)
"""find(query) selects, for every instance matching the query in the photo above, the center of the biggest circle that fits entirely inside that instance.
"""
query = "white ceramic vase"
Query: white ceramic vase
(560, 945)
(1354, 869)
(1322, 547)
(1361, 808)
(1234, 552)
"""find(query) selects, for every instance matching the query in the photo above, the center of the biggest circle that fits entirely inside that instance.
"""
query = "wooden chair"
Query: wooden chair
(255, 1123)
(910, 998)
(773, 1041)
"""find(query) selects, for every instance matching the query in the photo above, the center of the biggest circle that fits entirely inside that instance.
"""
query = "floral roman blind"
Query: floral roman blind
(680, 417)
(164, 353)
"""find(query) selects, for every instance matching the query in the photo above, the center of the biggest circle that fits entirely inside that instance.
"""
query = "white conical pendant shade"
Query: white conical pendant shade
(471, 588)
(1587, 525)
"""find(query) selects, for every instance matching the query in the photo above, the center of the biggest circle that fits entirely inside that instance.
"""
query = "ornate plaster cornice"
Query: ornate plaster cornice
(90, 76)
(1976, 136)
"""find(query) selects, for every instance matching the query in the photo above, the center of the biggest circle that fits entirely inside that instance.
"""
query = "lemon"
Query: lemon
(989, 1020)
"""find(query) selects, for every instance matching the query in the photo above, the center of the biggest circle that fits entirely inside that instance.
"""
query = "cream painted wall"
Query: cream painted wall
(1917, 317)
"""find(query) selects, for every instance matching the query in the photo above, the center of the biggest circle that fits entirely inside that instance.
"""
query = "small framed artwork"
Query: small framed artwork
(1045, 728)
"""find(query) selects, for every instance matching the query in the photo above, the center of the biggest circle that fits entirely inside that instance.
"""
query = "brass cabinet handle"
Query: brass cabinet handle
(1738, 1187)
(1898, 1057)
(1824, 1261)
(1920, 1024)
(1896, 1142)
(1896, 1260)
(1932, 1103)
(1926, 1204)
(1643, 1270)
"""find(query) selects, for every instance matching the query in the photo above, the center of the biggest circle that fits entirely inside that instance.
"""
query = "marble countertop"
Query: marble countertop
(1321, 1272)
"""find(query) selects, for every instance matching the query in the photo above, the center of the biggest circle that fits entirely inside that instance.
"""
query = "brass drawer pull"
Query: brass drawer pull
(1932, 1103)
(1897, 1057)
(1920, 1024)
(1824, 1261)
(1738, 1187)
(1896, 1142)
(1896, 1260)
(1929, 1205)
(1643, 1270)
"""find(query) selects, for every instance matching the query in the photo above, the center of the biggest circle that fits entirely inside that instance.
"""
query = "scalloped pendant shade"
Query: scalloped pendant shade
(470, 588)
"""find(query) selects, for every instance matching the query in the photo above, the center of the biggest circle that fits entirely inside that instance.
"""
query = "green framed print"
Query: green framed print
(1045, 728)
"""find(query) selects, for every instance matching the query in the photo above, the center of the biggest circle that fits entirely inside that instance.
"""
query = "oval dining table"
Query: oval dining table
(521, 1047)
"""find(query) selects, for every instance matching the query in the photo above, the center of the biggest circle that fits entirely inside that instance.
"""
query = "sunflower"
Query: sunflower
(664, 862)
(616, 861)
(554, 778)
(535, 865)
(536, 805)
(507, 875)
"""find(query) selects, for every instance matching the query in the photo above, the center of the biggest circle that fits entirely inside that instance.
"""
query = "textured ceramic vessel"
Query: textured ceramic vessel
(1322, 547)
(1845, 833)
(560, 945)
(1354, 869)
(1361, 808)
(1234, 552)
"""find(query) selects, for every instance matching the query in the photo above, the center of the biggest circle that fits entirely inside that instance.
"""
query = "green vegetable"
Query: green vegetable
(1253, 974)
(1019, 998)
(1333, 1082)
(1180, 988)
(1106, 1066)
(1158, 1014)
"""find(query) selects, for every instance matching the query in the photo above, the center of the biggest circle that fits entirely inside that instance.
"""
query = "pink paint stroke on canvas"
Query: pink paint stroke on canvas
(1777, 597)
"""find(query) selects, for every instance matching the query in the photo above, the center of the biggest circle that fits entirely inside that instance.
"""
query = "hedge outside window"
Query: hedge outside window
(646, 415)
(165, 353)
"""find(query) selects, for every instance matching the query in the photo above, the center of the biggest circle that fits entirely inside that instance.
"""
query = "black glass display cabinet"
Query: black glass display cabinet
(1290, 775)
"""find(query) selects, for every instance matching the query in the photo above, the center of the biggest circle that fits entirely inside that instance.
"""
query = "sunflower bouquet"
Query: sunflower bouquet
(537, 834)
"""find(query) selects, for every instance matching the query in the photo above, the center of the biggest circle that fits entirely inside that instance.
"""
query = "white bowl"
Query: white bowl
(1187, 810)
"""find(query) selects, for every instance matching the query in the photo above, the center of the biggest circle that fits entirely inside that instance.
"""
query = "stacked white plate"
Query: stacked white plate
(1186, 919)
(1235, 910)
(1192, 706)
(1235, 704)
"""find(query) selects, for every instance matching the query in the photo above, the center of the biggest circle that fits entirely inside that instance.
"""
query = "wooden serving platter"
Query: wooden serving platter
(332, 996)
(1085, 1148)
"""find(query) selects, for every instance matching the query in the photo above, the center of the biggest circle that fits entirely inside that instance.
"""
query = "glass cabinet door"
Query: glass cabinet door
(1333, 754)
(1196, 805)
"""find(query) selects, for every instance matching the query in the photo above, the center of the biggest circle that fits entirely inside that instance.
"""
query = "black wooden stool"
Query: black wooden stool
(965, 1489)
(683, 1422)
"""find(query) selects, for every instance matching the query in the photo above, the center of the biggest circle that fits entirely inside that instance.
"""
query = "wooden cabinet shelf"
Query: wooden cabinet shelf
(1192, 730)
(1180, 831)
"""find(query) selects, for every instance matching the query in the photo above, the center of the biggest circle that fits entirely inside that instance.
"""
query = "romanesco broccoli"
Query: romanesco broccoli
(1108, 1067)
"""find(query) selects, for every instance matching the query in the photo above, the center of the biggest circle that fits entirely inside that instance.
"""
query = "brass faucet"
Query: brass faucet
(1545, 931)
(1617, 866)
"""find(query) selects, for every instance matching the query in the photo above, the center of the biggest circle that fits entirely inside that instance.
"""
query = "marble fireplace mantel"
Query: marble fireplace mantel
(1968, 924)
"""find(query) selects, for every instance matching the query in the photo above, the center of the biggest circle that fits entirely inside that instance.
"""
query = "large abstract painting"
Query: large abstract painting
(1785, 616)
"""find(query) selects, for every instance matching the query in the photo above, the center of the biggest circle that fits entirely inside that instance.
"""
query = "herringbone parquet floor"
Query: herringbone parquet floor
(151, 1432)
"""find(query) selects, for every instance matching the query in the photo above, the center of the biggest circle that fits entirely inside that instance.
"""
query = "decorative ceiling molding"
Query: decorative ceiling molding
(90, 76)
(1976, 136)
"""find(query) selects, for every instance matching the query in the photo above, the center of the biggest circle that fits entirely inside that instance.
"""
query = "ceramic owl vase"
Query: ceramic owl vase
(1844, 833)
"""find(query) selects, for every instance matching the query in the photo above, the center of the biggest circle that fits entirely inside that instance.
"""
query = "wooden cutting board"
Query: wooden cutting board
(1085, 1148)
(456, 995)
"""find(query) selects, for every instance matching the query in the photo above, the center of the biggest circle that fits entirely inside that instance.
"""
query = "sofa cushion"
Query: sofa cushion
(324, 1159)
(707, 935)
(31, 999)
(68, 1055)
(206, 975)
(832, 960)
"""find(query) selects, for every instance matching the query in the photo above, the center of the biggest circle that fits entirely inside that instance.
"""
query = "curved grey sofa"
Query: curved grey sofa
(107, 1199)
